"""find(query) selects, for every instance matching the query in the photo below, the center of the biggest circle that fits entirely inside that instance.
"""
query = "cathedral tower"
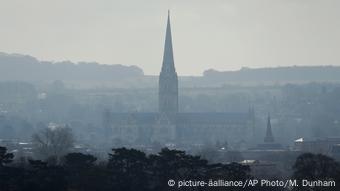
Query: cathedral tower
(168, 81)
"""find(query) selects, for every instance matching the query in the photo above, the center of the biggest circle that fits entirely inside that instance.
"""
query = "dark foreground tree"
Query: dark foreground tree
(5, 157)
(129, 169)
(315, 167)
(6, 173)
(79, 160)
(175, 165)
(83, 174)
(41, 177)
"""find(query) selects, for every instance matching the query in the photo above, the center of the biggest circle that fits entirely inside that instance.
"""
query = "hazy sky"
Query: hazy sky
(219, 34)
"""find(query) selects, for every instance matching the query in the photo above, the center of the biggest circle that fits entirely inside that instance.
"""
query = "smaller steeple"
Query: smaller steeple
(269, 135)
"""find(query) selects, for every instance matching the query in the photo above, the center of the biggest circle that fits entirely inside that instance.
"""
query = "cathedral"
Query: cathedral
(169, 125)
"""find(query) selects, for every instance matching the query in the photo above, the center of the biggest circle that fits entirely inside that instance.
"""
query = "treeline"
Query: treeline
(130, 169)
(276, 74)
(126, 169)
(15, 67)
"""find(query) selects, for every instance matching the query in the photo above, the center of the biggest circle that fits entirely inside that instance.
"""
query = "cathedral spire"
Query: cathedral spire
(168, 81)
(168, 57)
(269, 135)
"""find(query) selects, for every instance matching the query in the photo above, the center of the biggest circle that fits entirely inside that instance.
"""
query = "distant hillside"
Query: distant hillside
(26, 68)
(293, 73)
(17, 67)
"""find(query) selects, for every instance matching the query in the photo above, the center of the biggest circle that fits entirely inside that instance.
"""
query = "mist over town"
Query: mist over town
(86, 125)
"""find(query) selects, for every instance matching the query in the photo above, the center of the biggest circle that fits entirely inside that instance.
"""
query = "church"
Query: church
(169, 125)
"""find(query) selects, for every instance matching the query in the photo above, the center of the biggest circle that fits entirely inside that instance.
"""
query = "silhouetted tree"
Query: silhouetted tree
(42, 177)
(79, 160)
(177, 165)
(128, 169)
(81, 172)
(5, 157)
(316, 167)
(7, 174)
(53, 141)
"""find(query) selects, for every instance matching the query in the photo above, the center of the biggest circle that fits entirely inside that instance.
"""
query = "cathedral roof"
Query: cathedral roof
(182, 118)
(136, 117)
(212, 117)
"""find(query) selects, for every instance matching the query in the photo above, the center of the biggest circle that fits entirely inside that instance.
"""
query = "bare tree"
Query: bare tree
(55, 140)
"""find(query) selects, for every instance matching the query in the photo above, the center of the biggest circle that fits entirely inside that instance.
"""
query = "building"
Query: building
(327, 146)
(169, 125)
